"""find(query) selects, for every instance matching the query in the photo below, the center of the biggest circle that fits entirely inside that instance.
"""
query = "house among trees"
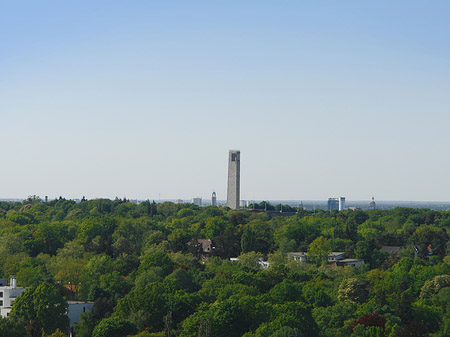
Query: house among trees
(391, 250)
(76, 308)
(348, 262)
(205, 247)
(303, 256)
(8, 295)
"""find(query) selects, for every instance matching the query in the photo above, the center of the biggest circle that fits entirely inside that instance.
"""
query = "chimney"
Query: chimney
(13, 282)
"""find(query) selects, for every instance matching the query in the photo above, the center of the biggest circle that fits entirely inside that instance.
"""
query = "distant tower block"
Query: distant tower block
(373, 205)
(333, 204)
(234, 168)
(197, 201)
(341, 203)
(214, 199)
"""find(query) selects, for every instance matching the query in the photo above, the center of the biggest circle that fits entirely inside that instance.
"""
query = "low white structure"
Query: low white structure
(336, 256)
(263, 264)
(350, 262)
(76, 308)
(303, 256)
(8, 294)
(298, 256)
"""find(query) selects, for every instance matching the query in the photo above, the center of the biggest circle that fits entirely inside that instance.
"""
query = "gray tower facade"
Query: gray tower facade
(341, 203)
(373, 205)
(234, 168)
(213, 199)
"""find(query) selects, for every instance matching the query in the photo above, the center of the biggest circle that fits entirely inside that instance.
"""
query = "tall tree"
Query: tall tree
(319, 250)
(43, 308)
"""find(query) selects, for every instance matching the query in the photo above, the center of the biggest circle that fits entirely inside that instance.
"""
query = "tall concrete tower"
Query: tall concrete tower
(373, 205)
(213, 199)
(234, 172)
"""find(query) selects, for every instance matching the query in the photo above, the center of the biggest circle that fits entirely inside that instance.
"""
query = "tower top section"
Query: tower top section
(235, 156)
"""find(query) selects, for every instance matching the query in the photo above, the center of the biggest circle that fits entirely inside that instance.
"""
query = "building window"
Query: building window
(233, 157)
(1, 303)
(1, 293)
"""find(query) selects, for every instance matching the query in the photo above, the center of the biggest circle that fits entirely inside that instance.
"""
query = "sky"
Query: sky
(144, 99)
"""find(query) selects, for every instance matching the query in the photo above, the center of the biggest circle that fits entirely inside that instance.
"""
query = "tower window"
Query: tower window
(233, 157)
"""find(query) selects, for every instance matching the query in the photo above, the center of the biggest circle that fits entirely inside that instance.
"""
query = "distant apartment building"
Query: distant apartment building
(197, 201)
(341, 203)
(336, 204)
(333, 204)
(8, 295)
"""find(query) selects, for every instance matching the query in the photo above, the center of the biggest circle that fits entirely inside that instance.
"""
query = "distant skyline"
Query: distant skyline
(144, 99)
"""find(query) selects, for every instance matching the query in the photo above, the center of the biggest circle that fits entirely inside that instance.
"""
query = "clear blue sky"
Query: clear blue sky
(140, 98)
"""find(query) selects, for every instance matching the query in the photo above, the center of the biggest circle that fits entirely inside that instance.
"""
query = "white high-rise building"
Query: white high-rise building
(341, 203)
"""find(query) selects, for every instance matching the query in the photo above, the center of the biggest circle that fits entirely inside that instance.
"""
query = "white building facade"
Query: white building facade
(8, 295)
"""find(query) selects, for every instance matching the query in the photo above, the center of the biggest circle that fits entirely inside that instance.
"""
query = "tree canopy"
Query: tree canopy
(148, 274)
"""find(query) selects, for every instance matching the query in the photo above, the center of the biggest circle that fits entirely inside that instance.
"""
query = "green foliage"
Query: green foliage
(319, 250)
(330, 320)
(114, 327)
(12, 327)
(251, 259)
(287, 332)
(57, 333)
(140, 264)
(86, 325)
(43, 307)
(285, 291)
(157, 259)
(353, 290)
(433, 286)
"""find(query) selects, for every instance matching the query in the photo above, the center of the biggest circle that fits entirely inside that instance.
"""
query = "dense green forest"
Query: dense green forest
(142, 266)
